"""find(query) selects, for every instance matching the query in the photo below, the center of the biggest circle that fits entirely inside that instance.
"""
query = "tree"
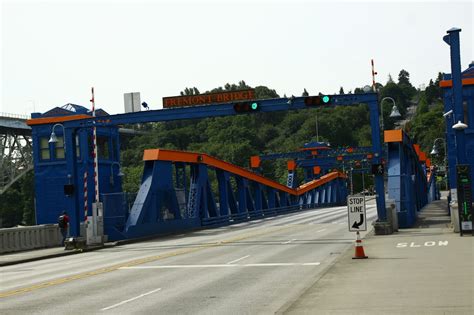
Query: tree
(390, 79)
(404, 77)
(305, 93)
(341, 90)
(190, 91)
(422, 105)
(404, 83)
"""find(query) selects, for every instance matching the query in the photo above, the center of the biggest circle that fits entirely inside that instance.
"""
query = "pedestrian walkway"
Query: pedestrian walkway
(423, 270)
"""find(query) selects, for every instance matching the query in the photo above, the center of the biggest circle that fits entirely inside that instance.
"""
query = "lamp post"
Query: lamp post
(120, 173)
(435, 151)
(394, 114)
(54, 139)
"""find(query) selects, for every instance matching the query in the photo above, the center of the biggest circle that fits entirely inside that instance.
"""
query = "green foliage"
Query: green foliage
(427, 126)
(422, 107)
(132, 180)
(17, 203)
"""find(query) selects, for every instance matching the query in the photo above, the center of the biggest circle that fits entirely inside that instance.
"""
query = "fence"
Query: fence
(29, 237)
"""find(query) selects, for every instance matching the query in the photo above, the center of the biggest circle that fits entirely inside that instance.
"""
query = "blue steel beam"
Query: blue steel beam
(216, 110)
(452, 39)
(156, 209)
(407, 179)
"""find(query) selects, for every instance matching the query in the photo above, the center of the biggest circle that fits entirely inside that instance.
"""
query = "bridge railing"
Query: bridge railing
(29, 237)
(185, 190)
(15, 116)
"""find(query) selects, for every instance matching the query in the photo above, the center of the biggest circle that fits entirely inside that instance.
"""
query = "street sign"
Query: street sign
(356, 213)
(208, 98)
(464, 185)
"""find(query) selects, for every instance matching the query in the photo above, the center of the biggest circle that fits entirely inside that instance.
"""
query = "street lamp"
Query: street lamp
(120, 173)
(394, 114)
(60, 151)
(53, 138)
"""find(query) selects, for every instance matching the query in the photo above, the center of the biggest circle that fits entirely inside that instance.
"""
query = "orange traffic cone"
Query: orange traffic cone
(359, 249)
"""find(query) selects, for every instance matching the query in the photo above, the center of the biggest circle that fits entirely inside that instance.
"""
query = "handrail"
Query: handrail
(192, 157)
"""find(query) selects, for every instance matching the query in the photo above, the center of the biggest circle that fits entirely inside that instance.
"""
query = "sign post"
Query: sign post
(357, 220)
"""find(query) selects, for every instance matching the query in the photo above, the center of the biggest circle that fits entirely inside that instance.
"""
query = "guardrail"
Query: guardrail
(29, 237)
(16, 116)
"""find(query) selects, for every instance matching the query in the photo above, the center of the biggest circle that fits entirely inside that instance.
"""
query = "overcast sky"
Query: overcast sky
(53, 52)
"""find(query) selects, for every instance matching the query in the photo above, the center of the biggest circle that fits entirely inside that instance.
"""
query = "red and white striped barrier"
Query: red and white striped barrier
(85, 196)
(374, 87)
(94, 144)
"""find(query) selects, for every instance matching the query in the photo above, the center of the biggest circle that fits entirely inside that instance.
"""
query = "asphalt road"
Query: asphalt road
(257, 267)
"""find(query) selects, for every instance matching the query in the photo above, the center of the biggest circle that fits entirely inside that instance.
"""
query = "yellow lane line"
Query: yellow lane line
(132, 263)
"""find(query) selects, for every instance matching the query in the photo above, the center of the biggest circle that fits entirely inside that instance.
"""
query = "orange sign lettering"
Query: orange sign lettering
(211, 98)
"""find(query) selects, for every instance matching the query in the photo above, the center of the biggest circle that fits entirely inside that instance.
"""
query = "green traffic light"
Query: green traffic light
(254, 106)
(325, 99)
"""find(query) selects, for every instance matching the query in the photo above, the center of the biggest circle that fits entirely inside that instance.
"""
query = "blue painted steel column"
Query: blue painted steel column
(377, 148)
(222, 180)
(450, 139)
(71, 166)
(452, 39)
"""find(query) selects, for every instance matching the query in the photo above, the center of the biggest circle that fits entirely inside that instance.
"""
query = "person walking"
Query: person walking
(63, 223)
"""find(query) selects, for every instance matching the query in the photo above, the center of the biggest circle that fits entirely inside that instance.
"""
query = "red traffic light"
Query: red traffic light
(245, 107)
(317, 100)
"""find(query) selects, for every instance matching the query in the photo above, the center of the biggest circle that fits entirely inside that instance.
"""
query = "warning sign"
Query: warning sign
(356, 213)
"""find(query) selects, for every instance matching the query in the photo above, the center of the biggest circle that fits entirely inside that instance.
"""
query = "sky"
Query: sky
(53, 52)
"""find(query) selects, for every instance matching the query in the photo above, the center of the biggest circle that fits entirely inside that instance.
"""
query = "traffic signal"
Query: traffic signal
(246, 107)
(317, 100)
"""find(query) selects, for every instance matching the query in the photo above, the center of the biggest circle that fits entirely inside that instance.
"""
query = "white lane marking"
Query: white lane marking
(222, 265)
(320, 230)
(239, 259)
(130, 300)
(179, 266)
(288, 242)
(281, 264)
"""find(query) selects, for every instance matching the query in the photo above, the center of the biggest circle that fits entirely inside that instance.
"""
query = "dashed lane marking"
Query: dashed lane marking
(130, 300)
(136, 262)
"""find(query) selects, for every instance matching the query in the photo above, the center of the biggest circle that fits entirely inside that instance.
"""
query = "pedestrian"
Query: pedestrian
(63, 223)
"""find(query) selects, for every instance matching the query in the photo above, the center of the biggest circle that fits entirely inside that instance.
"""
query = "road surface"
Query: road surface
(257, 267)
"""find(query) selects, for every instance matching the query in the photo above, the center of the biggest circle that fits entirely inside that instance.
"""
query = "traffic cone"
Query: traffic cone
(359, 249)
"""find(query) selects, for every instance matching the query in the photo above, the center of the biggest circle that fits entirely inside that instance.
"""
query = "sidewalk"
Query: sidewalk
(423, 270)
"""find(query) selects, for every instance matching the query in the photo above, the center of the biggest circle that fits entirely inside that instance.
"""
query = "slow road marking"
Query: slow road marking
(426, 244)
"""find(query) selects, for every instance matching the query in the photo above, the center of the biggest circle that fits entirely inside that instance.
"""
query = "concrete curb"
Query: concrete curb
(60, 254)
(25, 260)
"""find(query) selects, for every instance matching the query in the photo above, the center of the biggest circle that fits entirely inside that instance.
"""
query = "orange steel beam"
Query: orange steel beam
(51, 120)
(449, 83)
(192, 157)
